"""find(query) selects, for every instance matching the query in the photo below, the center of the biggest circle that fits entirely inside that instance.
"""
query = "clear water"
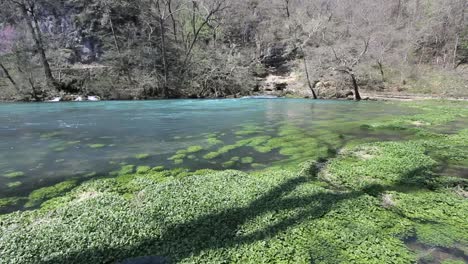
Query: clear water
(48, 143)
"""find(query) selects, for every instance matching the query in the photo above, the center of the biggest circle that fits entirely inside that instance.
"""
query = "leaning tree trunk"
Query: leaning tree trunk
(357, 96)
(33, 27)
(311, 87)
(349, 71)
(7, 74)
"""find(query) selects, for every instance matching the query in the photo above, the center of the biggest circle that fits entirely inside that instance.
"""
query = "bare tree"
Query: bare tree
(28, 12)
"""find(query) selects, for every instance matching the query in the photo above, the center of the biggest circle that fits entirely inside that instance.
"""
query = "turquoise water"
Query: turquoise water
(42, 144)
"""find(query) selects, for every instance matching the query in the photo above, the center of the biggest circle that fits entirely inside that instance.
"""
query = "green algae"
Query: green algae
(450, 261)
(194, 149)
(158, 168)
(213, 141)
(14, 174)
(258, 166)
(143, 169)
(178, 156)
(178, 161)
(46, 193)
(247, 160)
(212, 155)
(124, 170)
(50, 135)
(142, 156)
(15, 184)
(9, 202)
(59, 149)
(249, 130)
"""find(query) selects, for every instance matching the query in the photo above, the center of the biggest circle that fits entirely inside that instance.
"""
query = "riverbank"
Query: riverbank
(403, 200)
(365, 95)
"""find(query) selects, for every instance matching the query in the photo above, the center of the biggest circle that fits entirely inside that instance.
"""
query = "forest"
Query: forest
(144, 49)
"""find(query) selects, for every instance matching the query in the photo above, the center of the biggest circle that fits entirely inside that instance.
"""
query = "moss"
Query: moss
(59, 149)
(213, 141)
(247, 160)
(143, 169)
(194, 149)
(451, 261)
(440, 216)
(96, 146)
(178, 161)
(229, 164)
(158, 168)
(142, 156)
(180, 156)
(15, 184)
(9, 202)
(14, 174)
(258, 166)
(36, 197)
(212, 155)
(380, 164)
(249, 130)
(49, 135)
(299, 220)
(126, 169)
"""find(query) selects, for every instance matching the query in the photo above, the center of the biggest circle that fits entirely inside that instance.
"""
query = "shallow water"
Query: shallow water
(434, 254)
(46, 143)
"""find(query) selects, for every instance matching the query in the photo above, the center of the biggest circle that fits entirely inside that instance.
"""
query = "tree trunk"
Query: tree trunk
(7, 74)
(117, 46)
(163, 48)
(311, 87)
(33, 27)
(455, 51)
(357, 96)
(382, 74)
(288, 13)
(174, 24)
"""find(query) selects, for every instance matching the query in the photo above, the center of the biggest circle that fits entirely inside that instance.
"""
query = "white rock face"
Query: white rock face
(79, 99)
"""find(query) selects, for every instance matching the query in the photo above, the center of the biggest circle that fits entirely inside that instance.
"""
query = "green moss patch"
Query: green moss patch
(9, 201)
(143, 169)
(247, 160)
(43, 194)
(15, 184)
(380, 164)
(14, 174)
(142, 156)
(194, 149)
(297, 218)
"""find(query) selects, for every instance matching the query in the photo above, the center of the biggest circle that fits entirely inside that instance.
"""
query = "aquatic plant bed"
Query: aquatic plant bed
(399, 194)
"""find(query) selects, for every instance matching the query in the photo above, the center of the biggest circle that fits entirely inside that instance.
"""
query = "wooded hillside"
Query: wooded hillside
(137, 49)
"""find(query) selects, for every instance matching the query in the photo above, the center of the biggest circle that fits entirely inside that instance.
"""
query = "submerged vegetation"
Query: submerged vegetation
(331, 198)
